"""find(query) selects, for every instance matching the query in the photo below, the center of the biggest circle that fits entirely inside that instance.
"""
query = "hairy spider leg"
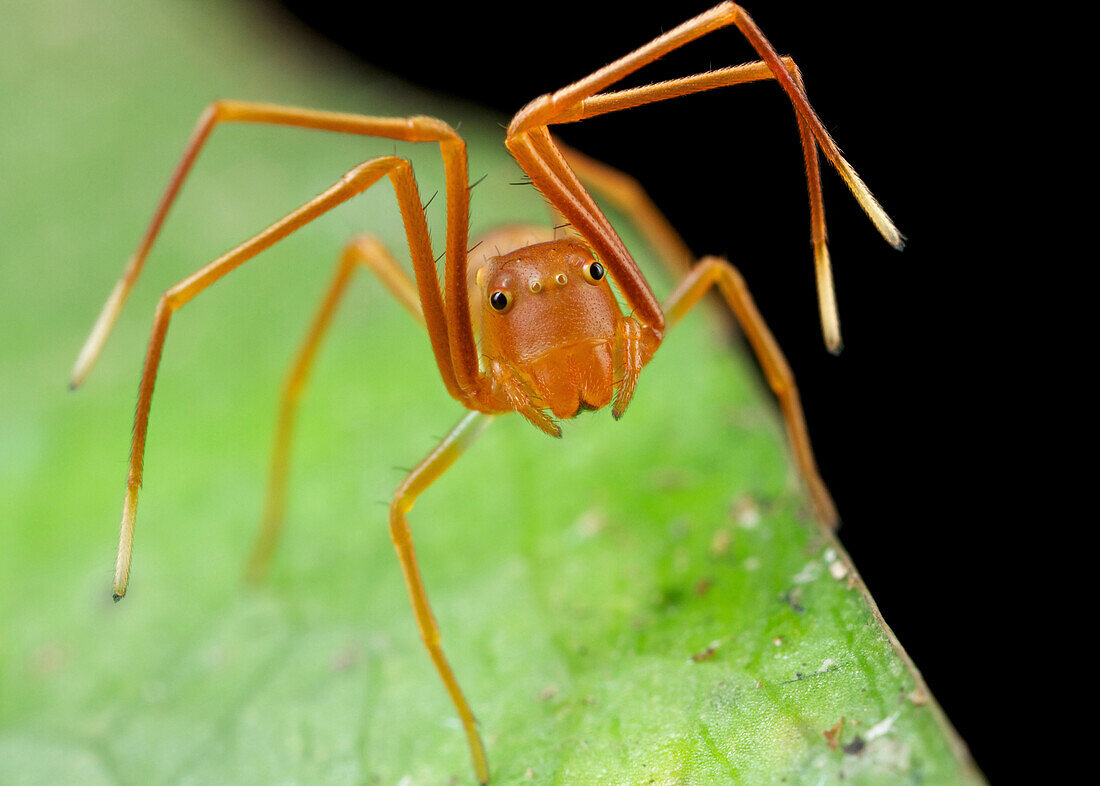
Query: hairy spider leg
(548, 169)
(625, 193)
(356, 181)
(406, 129)
(370, 252)
(364, 251)
(427, 472)
(711, 271)
(537, 156)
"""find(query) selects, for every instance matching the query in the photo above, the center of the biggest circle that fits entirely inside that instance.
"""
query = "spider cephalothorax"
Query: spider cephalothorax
(552, 333)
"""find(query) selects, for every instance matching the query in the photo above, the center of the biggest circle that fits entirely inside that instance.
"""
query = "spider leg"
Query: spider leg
(630, 357)
(582, 100)
(627, 194)
(408, 129)
(363, 250)
(711, 271)
(427, 472)
(354, 182)
(447, 320)
(536, 153)
(517, 390)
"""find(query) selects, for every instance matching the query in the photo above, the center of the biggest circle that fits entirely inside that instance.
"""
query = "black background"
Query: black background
(901, 421)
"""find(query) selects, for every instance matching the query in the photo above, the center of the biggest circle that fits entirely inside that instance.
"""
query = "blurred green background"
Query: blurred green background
(573, 580)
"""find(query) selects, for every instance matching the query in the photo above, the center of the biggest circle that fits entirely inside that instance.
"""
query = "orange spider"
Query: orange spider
(552, 334)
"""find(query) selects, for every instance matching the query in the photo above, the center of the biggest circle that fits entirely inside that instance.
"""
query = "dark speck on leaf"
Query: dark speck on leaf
(706, 654)
(856, 746)
(793, 599)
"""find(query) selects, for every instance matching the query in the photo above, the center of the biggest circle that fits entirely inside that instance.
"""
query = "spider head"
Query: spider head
(548, 311)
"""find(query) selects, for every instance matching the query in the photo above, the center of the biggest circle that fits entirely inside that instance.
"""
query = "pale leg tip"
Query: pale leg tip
(84, 362)
(77, 376)
(830, 332)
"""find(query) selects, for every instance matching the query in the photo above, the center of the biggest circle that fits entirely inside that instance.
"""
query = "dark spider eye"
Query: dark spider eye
(500, 300)
(593, 271)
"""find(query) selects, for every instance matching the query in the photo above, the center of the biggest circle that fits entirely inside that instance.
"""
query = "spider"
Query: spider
(553, 339)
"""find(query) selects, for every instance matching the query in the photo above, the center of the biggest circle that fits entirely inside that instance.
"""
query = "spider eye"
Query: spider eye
(501, 300)
(594, 271)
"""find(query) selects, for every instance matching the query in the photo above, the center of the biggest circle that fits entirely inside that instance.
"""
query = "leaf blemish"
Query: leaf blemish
(808, 573)
(706, 654)
(746, 512)
(793, 598)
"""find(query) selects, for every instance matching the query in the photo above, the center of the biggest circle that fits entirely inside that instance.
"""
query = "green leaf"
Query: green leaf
(644, 601)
